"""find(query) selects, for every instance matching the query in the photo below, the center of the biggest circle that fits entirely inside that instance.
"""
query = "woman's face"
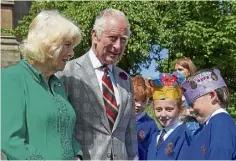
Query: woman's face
(58, 64)
(166, 111)
(182, 70)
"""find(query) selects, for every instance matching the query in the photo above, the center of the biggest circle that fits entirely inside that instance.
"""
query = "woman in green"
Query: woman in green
(37, 119)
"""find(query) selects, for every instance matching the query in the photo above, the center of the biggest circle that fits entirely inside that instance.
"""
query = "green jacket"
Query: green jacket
(37, 119)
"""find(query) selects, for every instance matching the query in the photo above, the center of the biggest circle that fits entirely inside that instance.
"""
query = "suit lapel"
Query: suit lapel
(122, 88)
(89, 77)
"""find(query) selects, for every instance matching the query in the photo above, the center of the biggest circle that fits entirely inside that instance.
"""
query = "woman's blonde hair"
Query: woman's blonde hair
(187, 64)
(47, 32)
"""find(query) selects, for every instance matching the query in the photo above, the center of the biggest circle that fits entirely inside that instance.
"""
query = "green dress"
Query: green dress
(37, 119)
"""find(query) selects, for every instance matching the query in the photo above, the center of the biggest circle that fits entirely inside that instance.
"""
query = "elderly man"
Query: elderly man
(102, 94)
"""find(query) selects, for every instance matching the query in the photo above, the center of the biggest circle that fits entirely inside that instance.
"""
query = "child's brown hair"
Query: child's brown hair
(187, 64)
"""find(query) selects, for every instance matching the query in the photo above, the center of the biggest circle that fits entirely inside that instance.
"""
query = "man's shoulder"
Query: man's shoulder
(76, 60)
(71, 67)
(72, 63)
(119, 69)
(79, 59)
(122, 73)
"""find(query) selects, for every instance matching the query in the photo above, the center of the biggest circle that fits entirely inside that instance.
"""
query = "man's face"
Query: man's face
(166, 111)
(110, 45)
(201, 108)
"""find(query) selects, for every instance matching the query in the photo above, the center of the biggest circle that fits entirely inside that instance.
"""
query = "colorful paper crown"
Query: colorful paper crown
(201, 84)
(167, 86)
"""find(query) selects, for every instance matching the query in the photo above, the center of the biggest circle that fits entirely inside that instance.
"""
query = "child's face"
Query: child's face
(140, 106)
(166, 111)
(202, 108)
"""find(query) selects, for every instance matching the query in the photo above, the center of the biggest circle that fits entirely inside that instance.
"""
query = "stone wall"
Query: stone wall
(11, 12)
(9, 51)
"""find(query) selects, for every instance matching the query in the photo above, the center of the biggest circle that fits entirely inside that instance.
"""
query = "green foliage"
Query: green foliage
(142, 16)
(232, 107)
(205, 31)
(6, 31)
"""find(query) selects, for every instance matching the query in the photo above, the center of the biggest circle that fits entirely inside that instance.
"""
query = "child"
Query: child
(174, 138)
(145, 124)
(208, 95)
(188, 69)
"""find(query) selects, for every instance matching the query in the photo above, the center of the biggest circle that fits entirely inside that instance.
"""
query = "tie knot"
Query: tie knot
(163, 131)
(105, 68)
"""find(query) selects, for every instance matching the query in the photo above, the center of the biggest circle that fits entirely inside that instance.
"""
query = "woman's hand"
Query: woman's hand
(77, 158)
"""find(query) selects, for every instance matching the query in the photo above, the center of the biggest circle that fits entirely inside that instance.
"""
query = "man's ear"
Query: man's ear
(94, 36)
(213, 97)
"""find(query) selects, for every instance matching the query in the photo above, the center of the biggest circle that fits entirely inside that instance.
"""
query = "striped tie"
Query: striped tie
(109, 98)
(161, 138)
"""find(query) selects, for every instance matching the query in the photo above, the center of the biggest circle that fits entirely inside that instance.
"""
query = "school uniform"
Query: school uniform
(216, 140)
(176, 140)
(190, 121)
(146, 126)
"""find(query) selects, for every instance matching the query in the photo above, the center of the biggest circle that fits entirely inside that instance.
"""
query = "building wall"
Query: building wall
(11, 13)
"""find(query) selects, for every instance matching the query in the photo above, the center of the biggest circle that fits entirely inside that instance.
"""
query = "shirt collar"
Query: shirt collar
(220, 110)
(140, 116)
(173, 125)
(34, 72)
(37, 75)
(95, 61)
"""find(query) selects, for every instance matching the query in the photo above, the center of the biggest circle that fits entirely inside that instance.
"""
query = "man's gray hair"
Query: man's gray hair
(101, 22)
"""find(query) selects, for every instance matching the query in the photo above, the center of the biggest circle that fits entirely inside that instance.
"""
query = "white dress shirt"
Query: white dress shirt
(170, 129)
(99, 73)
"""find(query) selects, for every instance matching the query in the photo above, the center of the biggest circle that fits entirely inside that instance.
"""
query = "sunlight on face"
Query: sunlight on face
(166, 111)
(110, 46)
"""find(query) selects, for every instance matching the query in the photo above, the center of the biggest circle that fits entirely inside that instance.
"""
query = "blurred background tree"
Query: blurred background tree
(204, 31)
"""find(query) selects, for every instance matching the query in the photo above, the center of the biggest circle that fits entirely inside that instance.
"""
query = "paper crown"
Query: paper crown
(167, 86)
(201, 84)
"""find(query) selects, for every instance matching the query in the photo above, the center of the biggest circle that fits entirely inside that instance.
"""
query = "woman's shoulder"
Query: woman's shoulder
(12, 78)
(12, 72)
(12, 68)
